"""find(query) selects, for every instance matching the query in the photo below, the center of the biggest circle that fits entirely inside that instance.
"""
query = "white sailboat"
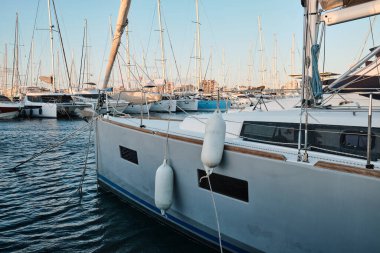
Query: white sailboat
(52, 104)
(9, 109)
(168, 103)
(298, 180)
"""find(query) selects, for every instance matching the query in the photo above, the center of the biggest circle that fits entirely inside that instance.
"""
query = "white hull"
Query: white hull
(9, 115)
(188, 105)
(164, 106)
(52, 105)
(40, 110)
(9, 110)
(135, 108)
(290, 207)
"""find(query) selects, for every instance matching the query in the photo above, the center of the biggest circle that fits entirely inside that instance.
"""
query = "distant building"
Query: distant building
(209, 86)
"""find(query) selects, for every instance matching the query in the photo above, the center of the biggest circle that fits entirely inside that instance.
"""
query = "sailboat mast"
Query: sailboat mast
(15, 73)
(250, 66)
(275, 72)
(6, 66)
(163, 65)
(58, 73)
(292, 55)
(310, 36)
(31, 63)
(51, 46)
(199, 51)
(128, 57)
(87, 56)
(261, 51)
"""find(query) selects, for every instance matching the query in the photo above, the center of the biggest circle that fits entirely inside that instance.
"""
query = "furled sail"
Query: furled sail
(340, 11)
(120, 25)
(332, 4)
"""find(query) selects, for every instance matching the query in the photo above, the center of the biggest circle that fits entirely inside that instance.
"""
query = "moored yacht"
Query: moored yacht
(296, 180)
(52, 105)
(9, 109)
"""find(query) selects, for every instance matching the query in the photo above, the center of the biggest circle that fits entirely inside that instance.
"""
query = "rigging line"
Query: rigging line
(121, 74)
(136, 64)
(357, 79)
(62, 47)
(188, 66)
(208, 64)
(172, 50)
(373, 45)
(104, 55)
(133, 75)
(365, 41)
(150, 33)
(324, 49)
(30, 50)
(208, 174)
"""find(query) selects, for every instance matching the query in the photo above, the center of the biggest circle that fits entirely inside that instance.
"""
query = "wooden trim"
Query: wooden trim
(255, 152)
(200, 142)
(348, 169)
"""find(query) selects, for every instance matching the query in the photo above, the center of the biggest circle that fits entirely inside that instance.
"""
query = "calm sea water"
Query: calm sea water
(41, 210)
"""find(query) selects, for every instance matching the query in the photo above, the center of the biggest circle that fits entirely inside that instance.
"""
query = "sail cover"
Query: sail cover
(332, 4)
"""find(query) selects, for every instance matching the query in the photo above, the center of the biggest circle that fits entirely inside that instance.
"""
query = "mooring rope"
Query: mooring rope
(86, 160)
(52, 146)
(208, 174)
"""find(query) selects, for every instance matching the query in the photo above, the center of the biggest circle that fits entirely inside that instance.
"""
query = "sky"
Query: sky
(229, 38)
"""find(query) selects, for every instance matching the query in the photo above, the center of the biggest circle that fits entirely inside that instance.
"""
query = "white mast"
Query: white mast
(120, 25)
(262, 70)
(163, 65)
(199, 51)
(6, 66)
(87, 55)
(292, 55)
(58, 84)
(31, 63)
(51, 47)
(15, 72)
(310, 34)
(275, 72)
(250, 66)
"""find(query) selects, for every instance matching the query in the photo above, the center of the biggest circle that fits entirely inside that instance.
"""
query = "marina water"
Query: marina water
(42, 211)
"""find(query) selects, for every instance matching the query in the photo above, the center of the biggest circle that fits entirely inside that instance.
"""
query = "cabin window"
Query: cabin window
(4, 99)
(128, 154)
(322, 138)
(228, 186)
(268, 131)
(356, 141)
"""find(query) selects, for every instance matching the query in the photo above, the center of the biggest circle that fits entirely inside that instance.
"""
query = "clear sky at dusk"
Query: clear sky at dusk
(227, 26)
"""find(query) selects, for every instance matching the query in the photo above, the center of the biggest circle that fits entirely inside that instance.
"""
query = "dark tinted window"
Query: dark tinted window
(229, 186)
(323, 138)
(356, 141)
(128, 154)
(269, 131)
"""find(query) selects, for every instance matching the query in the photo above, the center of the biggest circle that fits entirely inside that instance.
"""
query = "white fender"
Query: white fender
(213, 143)
(163, 192)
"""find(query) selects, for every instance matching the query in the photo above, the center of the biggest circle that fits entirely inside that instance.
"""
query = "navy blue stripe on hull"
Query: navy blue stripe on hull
(194, 230)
